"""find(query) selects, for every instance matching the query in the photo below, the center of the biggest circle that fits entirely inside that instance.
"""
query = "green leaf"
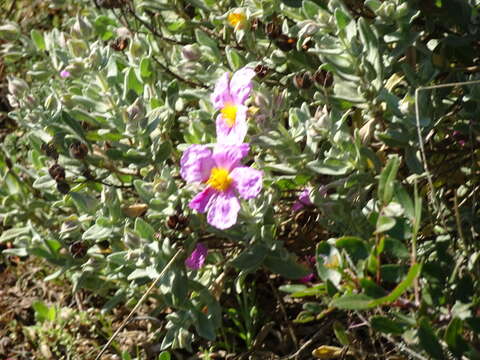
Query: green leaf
(453, 337)
(132, 83)
(429, 341)
(386, 325)
(387, 179)
(341, 18)
(143, 229)
(164, 355)
(285, 265)
(235, 60)
(310, 9)
(145, 68)
(384, 223)
(354, 246)
(251, 258)
(38, 39)
(13, 233)
(352, 302)
(341, 333)
(203, 325)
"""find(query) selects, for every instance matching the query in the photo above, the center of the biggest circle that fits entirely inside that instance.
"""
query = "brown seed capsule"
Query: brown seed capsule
(78, 249)
(50, 150)
(323, 78)
(189, 10)
(78, 150)
(182, 222)
(309, 44)
(302, 80)
(256, 23)
(285, 43)
(63, 187)
(110, 4)
(177, 222)
(272, 30)
(104, 244)
(119, 44)
(261, 70)
(57, 172)
(172, 222)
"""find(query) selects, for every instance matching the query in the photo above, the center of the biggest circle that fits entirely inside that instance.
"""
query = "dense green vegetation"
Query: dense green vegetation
(357, 225)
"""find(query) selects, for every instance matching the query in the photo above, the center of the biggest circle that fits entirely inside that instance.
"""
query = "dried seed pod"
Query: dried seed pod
(78, 150)
(323, 78)
(261, 70)
(177, 222)
(103, 244)
(272, 30)
(189, 10)
(110, 4)
(302, 80)
(78, 249)
(63, 187)
(309, 44)
(285, 43)
(119, 44)
(50, 150)
(57, 173)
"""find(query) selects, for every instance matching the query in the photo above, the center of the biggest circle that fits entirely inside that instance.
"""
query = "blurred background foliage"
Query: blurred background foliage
(99, 99)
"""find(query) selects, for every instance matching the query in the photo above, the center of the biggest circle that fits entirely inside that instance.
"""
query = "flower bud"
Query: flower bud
(77, 47)
(136, 111)
(302, 80)
(57, 173)
(136, 47)
(17, 87)
(261, 101)
(272, 30)
(261, 70)
(63, 187)
(78, 150)
(82, 29)
(323, 78)
(10, 31)
(191, 52)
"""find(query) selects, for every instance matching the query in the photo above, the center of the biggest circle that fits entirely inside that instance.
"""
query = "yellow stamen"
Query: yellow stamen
(234, 19)
(219, 179)
(229, 113)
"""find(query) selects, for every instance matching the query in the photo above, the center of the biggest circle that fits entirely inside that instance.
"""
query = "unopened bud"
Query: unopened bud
(191, 52)
(82, 29)
(136, 111)
(77, 47)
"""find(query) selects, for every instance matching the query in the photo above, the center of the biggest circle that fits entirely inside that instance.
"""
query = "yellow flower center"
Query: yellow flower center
(236, 18)
(229, 113)
(219, 179)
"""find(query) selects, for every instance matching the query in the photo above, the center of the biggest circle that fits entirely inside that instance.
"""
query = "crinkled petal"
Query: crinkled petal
(229, 156)
(247, 181)
(241, 85)
(197, 258)
(235, 134)
(201, 201)
(196, 163)
(221, 93)
(223, 210)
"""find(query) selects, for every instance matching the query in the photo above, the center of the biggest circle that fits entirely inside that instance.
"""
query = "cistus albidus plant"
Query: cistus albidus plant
(276, 131)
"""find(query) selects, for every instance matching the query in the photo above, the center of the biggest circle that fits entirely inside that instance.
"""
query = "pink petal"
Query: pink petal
(223, 210)
(241, 85)
(247, 181)
(64, 74)
(201, 201)
(197, 258)
(229, 156)
(307, 278)
(221, 93)
(196, 163)
(235, 134)
(303, 200)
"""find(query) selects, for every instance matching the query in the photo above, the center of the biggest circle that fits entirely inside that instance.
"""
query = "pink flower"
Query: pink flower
(64, 74)
(197, 258)
(303, 200)
(226, 180)
(229, 97)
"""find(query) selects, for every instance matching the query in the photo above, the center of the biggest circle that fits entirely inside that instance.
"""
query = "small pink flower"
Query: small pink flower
(303, 200)
(229, 97)
(226, 180)
(197, 258)
(64, 74)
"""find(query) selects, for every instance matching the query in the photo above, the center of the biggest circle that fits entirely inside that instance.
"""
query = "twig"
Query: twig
(282, 308)
(314, 338)
(140, 302)
(175, 75)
